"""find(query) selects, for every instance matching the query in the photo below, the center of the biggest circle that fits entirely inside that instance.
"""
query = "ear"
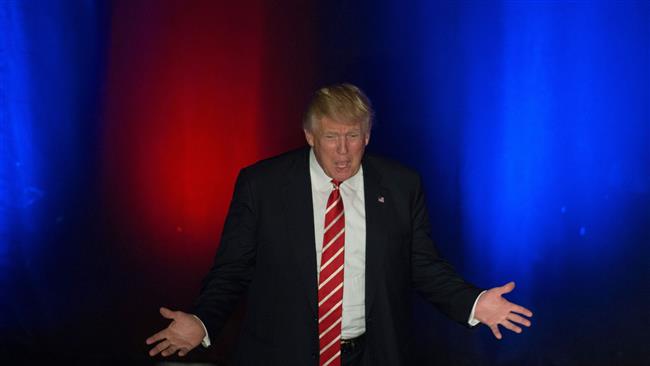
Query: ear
(367, 138)
(309, 137)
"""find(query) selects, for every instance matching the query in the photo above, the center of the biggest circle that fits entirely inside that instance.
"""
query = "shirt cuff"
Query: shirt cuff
(472, 321)
(206, 340)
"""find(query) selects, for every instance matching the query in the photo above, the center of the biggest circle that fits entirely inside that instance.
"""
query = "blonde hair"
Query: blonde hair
(342, 102)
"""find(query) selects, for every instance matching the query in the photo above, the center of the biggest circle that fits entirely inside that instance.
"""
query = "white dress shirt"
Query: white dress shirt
(353, 323)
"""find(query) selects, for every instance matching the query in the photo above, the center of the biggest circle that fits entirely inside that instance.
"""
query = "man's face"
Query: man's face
(338, 147)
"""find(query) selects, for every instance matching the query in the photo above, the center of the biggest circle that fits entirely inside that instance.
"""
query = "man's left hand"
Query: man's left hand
(493, 310)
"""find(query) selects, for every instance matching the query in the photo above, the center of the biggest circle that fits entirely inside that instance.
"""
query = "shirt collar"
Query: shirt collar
(321, 182)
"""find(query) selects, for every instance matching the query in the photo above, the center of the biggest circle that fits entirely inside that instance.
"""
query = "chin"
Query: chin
(343, 177)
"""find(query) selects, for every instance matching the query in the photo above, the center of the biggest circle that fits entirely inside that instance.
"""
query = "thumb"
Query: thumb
(508, 287)
(167, 314)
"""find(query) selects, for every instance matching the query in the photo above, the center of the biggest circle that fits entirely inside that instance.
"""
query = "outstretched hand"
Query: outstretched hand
(493, 310)
(183, 334)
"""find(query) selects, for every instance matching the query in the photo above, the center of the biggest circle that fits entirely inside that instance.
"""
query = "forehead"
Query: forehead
(328, 124)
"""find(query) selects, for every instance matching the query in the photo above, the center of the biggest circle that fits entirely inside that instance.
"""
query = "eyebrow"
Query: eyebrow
(337, 133)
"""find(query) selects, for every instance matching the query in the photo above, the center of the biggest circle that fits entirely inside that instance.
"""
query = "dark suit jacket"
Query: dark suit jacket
(267, 248)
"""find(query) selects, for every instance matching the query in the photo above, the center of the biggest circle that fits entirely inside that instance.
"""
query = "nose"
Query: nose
(342, 146)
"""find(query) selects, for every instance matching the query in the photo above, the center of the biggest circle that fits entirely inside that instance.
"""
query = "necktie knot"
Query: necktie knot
(336, 183)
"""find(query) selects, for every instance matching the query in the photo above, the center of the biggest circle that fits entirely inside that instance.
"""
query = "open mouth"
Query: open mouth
(342, 165)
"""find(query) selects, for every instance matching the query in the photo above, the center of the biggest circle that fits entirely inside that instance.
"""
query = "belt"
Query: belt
(349, 345)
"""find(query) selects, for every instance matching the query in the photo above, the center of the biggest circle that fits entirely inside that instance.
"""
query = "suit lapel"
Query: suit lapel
(299, 216)
(375, 198)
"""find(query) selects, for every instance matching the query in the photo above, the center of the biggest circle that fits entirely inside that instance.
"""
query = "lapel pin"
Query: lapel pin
(380, 199)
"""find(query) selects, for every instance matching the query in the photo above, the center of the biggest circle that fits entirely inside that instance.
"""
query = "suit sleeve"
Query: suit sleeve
(234, 261)
(434, 278)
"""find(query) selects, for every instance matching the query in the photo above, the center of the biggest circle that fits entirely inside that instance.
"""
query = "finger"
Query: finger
(508, 287)
(519, 319)
(157, 337)
(495, 331)
(522, 310)
(167, 314)
(169, 351)
(183, 351)
(508, 324)
(159, 347)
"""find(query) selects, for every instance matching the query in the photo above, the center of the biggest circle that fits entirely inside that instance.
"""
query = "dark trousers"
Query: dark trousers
(352, 356)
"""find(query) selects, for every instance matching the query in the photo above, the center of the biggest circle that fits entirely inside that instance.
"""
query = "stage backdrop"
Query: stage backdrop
(123, 125)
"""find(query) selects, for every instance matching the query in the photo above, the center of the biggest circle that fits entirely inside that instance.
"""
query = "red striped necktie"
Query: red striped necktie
(330, 283)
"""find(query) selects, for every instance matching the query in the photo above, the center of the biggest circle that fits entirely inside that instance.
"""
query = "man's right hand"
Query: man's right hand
(183, 334)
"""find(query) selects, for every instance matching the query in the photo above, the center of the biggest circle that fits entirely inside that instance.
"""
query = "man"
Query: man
(328, 243)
